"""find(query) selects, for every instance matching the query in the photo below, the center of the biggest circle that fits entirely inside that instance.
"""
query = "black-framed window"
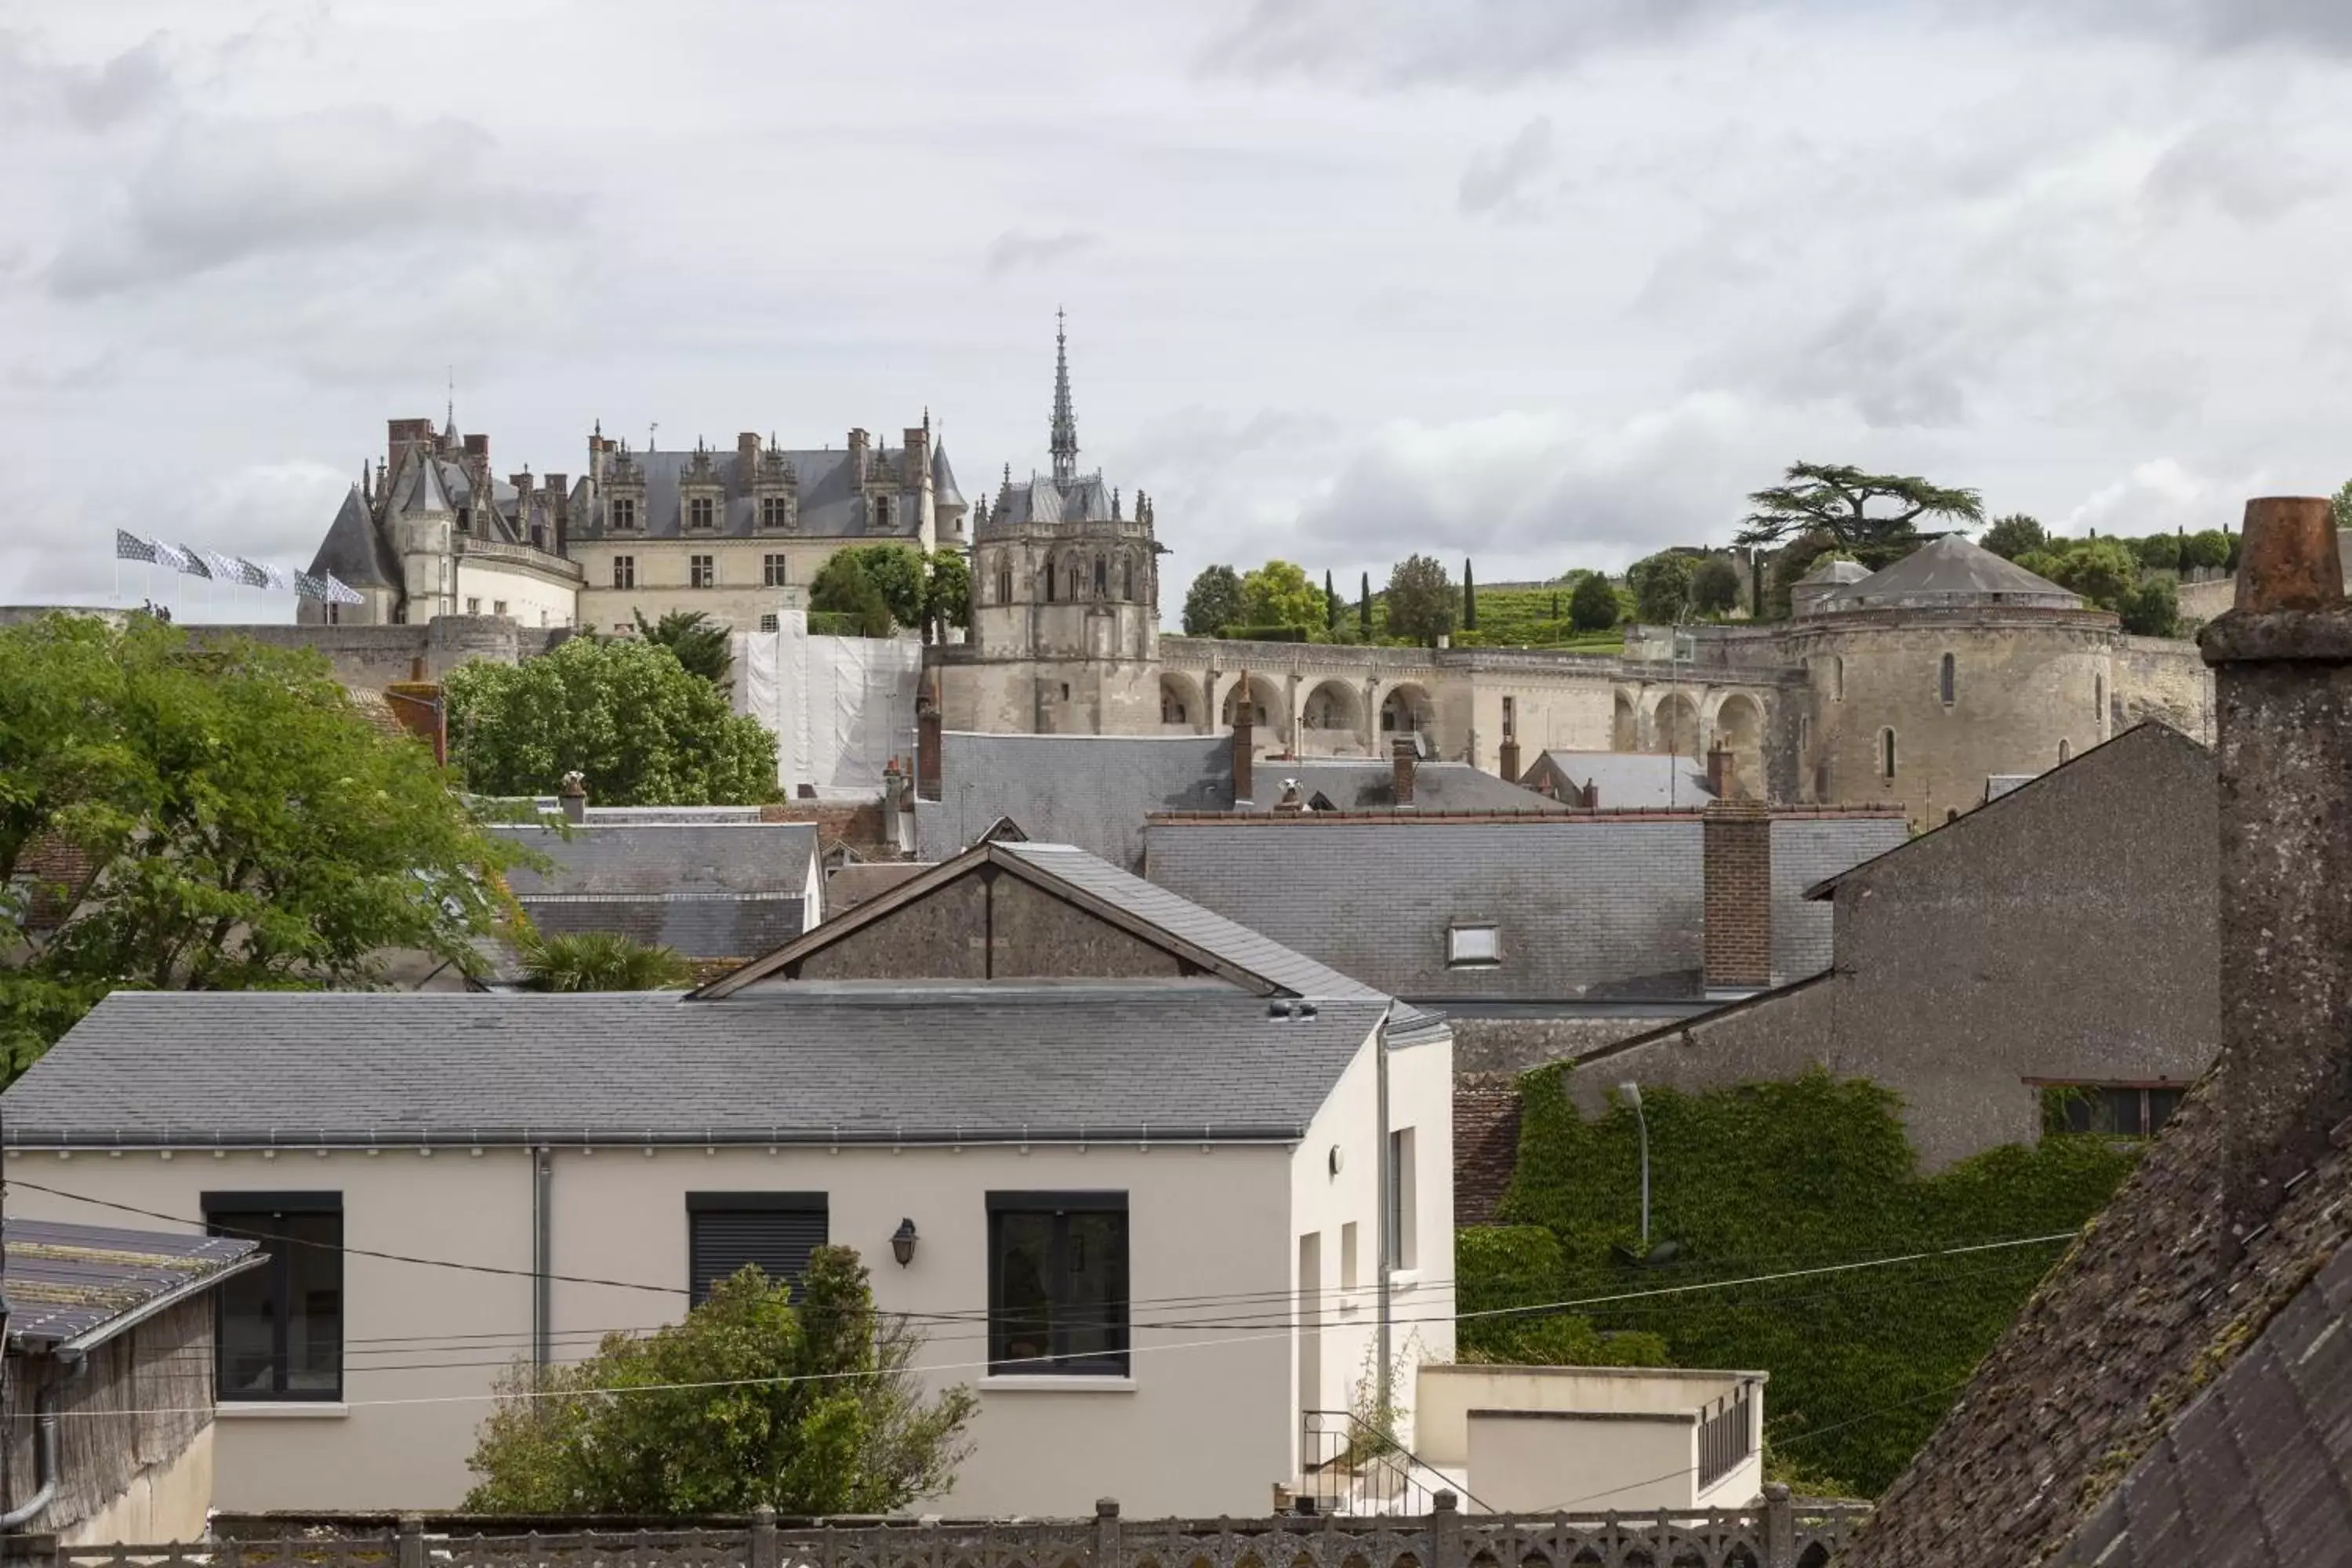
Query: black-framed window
(2118, 1110)
(1057, 1283)
(773, 566)
(727, 1230)
(701, 571)
(625, 512)
(280, 1328)
(701, 513)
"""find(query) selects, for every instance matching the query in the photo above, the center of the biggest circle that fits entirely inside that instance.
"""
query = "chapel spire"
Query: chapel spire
(1066, 424)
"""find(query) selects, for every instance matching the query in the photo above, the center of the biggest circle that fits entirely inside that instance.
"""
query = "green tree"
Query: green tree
(844, 587)
(1592, 604)
(2211, 548)
(1364, 607)
(1715, 586)
(1279, 593)
(1330, 603)
(897, 574)
(2342, 504)
(1661, 587)
(239, 823)
(597, 961)
(1421, 601)
(624, 714)
(807, 1407)
(2103, 571)
(2159, 552)
(1212, 603)
(1469, 598)
(2015, 535)
(1874, 515)
(947, 594)
(699, 643)
(2152, 609)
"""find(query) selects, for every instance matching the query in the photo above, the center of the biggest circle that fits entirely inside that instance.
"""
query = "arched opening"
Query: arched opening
(2099, 702)
(1102, 577)
(1887, 755)
(1050, 570)
(1127, 578)
(1332, 719)
(1830, 676)
(1948, 680)
(1675, 729)
(1624, 725)
(1267, 712)
(1179, 700)
(2065, 751)
(1003, 581)
(1073, 579)
(1407, 710)
(1739, 725)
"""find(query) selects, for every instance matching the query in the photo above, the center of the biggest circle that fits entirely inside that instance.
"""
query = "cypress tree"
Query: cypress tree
(1364, 609)
(1469, 598)
(1330, 602)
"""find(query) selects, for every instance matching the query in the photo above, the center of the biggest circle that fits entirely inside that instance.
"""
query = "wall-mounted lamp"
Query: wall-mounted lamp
(902, 1242)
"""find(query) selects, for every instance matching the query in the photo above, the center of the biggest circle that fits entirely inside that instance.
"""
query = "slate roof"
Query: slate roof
(79, 1285)
(1951, 571)
(830, 503)
(355, 550)
(1086, 499)
(1636, 780)
(1369, 785)
(1590, 906)
(723, 889)
(818, 1066)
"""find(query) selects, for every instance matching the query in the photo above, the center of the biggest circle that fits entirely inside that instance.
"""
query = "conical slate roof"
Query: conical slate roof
(354, 551)
(423, 494)
(943, 480)
(1949, 573)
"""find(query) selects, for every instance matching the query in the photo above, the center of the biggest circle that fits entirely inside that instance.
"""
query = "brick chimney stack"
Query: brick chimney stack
(1402, 756)
(1245, 741)
(1510, 759)
(860, 456)
(2282, 664)
(1735, 865)
(927, 749)
(1720, 772)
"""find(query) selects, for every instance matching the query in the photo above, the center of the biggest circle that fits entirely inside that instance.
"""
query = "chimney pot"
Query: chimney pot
(1403, 753)
(1720, 772)
(1510, 759)
(2287, 558)
(575, 796)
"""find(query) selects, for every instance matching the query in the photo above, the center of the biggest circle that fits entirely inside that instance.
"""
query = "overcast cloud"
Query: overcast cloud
(1546, 283)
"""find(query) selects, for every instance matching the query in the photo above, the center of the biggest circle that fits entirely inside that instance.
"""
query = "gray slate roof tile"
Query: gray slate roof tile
(65, 1281)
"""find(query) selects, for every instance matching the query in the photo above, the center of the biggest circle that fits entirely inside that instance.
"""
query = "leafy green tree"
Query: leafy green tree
(597, 961)
(1592, 605)
(2103, 571)
(1715, 586)
(2342, 504)
(1279, 593)
(241, 825)
(624, 714)
(699, 643)
(808, 1407)
(1330, 603)
(1661, 587)
(844, 587)
(947, 594)
(1874, 515)
(1214, 602)
(1364, 608)
(2211, 548)
(1469, 598)
(2152, 609)
(1421, 601)
(2014, 535)
(2159, 552)
(897, 574)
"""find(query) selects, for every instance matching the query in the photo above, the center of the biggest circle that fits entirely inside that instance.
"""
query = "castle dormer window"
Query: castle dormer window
(623, 513)
(775, 512)
(881, 514)
(465, 519)
(701, 513)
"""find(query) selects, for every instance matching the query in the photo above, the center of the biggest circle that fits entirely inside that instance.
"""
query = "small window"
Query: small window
(881, 514)
(1470, 945)
(1887, 755)
(1347, 1257)
(1837, 678)
(624, 570)
(1057, 1283)
(2065, 751)
(1005, 584)
(699, 572)
(769, 623)
(2099, 700)
(1510, 718)
(473, 604)
(728, 1231)
(2114, 1110)
(498, 606)
(1947, 680)
(701, 513)
(1065, 692)
(625, 512)
(772, 568)
(1127, 574)
(1049, 582)
(1405, 1246)
(775, 512)
(279, 1333)
(465, 519)
(1102, 577)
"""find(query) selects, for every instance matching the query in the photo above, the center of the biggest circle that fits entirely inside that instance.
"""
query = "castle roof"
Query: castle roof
(354, 549)
(832, 503)
(421, 490)
(1948, 572)
(1043, 500)
(944, 492)
(1836, 570)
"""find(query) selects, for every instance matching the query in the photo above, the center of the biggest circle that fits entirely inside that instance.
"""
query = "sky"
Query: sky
(1537, 283)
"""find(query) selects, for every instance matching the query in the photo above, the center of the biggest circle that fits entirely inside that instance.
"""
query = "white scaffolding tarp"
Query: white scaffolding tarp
(841, 707)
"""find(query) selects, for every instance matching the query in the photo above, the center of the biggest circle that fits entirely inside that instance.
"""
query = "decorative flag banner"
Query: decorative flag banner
(171, 555)
(131, 547)
(339, 593)
(223, 567)
(191, 562)
(251, 575)
(310, 588)
(278, 579)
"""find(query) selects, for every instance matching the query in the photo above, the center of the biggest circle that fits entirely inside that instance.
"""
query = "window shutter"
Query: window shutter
(778, 1239)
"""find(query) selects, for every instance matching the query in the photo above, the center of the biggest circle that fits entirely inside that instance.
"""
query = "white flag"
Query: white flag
(340, 593)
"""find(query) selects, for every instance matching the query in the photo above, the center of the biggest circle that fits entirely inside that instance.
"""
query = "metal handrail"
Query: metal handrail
(1348, 1465)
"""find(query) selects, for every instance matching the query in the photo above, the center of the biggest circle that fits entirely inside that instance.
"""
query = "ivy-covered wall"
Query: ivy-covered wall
(1775, 1179)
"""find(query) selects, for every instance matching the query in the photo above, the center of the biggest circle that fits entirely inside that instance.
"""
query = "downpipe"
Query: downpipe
(44, 1442)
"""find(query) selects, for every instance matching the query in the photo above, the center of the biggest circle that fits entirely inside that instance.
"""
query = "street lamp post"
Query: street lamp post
(1633, 1093)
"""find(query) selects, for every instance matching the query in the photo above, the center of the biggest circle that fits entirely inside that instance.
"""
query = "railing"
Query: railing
(1723, 1437)
(1349, 1467)
(1780, 1532)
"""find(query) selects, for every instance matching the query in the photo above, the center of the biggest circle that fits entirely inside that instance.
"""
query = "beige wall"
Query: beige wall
(739, 598)
(1206, 1422)
(530, 599)
(170, 1501)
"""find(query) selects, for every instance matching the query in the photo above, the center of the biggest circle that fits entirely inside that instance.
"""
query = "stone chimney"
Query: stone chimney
(2282, 664)
(1736, 865)
(558, 506)
(1510, 759)
(1720, 772)
(400, 437)
(915, 458)
(926, 749)
(857, 455)
(1244, 743)
(747, 459)
(575, 796)
(1402, 756)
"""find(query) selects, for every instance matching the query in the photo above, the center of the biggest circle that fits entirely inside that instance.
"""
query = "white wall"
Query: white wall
(1550, 1461)
(530, 599)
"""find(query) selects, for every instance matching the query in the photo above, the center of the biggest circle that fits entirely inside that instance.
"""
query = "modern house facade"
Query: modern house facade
(1165, 1186)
